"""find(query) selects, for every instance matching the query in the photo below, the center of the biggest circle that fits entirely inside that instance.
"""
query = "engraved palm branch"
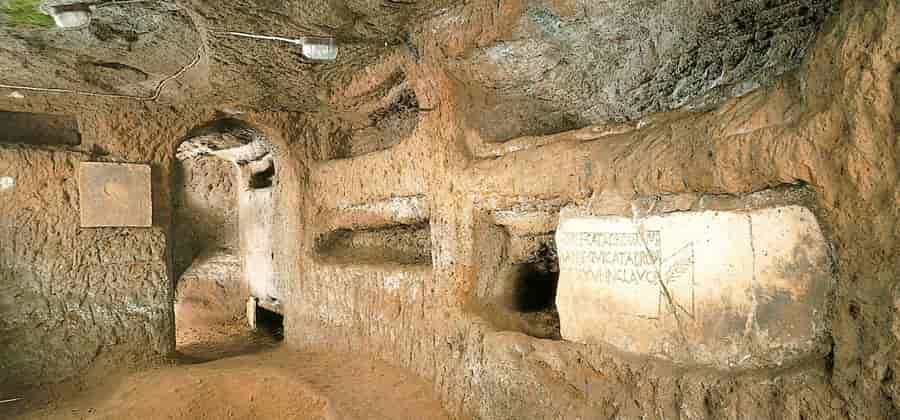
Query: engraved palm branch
(678, 268)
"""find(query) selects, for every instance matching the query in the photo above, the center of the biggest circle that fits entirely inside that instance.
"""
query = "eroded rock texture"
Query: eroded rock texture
(206, 239)
(403, 229)
(127, 49)
(557, 65)
(206, 210)
(67, 293)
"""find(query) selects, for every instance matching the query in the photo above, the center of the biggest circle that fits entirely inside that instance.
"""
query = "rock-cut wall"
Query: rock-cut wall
(205, 210)
(66, 292)
(412, 247)
(771, 333)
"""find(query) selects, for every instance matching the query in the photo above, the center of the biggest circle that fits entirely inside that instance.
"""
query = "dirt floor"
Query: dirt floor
(226, 371)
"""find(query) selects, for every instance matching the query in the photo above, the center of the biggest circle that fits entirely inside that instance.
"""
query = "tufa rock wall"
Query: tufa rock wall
(68, 293)
(206, 210)
(829, 127)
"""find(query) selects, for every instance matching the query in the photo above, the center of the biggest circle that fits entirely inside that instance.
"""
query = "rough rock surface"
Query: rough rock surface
(829, 125)
(114, 195)
(65, 292)
(127, 49)
(214, 287)
(557, 65)
(206, 210)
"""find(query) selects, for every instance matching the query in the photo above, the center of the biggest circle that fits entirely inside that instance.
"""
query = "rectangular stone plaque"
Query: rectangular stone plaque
(617, 256)
(715, 287)
(115, 195)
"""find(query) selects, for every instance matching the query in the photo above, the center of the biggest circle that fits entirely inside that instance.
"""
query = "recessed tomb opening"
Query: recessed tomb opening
(267, 323)
(532, 292)
(394, 120)
(38, 129)
(401, 244)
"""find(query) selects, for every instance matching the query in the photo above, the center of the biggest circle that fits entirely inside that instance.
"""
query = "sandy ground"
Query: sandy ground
(226, 371)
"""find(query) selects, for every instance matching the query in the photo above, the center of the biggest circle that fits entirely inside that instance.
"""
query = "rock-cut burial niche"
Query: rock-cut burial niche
(223, 248)
(532, 281)
(391, 231)
(519, 271)
(404, 244)
(392, 121)
(38, 129)
(729, 289)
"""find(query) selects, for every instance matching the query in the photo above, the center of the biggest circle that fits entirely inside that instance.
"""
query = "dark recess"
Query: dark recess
(269, 323)
(533, 293)
(534, 289)
(401, 244)
(262, 179)
(38, 129)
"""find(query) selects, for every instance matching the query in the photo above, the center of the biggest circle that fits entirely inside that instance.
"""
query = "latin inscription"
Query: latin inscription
(632, 266)
(697, 287)
(613, 257)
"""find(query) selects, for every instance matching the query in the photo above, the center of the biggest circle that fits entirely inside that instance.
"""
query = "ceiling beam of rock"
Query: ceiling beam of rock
(228, 139)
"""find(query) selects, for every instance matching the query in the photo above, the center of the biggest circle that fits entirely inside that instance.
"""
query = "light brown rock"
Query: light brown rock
(114, 194)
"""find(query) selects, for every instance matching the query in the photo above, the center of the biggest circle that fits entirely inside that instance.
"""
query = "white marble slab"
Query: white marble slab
(714, 287)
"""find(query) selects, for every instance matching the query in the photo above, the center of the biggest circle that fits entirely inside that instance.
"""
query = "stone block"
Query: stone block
(115, 195)
(722, 288)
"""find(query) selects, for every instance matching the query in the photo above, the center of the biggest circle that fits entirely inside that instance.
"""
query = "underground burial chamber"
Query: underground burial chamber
(536, 209)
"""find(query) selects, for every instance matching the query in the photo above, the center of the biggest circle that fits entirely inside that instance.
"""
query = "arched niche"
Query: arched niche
(223, 228)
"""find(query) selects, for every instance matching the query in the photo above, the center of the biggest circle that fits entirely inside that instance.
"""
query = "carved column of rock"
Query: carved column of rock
(256, 218)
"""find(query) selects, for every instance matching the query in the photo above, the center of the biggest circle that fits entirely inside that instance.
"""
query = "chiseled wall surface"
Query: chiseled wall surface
(70, 294)
(66, 293)
(829, 126)
(205, 210)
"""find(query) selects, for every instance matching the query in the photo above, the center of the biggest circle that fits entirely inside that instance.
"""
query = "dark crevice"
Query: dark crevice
(403, 244)
(39, 129)
(121, 67)
(535, 289)
(263, 179)
(269, 323)
(406, 103)
(531, 292)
